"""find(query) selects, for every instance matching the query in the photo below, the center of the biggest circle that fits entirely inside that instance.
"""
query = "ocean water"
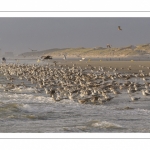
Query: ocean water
(25, 111)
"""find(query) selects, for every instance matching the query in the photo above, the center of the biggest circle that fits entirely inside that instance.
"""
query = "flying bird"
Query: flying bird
(33, 50)
(108, 46)
(119, 28)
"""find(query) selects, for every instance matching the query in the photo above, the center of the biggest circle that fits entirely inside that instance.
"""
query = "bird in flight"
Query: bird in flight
(119, 28)
(108, 46)
(33, 50)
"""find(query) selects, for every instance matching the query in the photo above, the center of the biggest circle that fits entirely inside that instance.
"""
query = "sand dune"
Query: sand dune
(95, 52)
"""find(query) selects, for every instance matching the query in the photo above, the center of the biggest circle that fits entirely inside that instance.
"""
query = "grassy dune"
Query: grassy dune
(95, 52)
(122, 51)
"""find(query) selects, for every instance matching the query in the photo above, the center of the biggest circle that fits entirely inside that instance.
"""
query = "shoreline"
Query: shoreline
(120, 66)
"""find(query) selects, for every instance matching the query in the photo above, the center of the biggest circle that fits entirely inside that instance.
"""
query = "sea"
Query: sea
(26, 111)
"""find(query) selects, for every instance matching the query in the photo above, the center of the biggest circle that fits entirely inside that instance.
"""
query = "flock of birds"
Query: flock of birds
(86, 85)
(89, 85)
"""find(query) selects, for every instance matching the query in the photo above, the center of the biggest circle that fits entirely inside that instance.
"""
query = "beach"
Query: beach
(114, 104)
(134, 65)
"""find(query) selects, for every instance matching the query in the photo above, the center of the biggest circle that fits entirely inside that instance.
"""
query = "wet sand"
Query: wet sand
(127, 66)
(121, 66)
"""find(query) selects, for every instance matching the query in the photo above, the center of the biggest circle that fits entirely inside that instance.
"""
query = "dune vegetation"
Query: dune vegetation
(94, 52)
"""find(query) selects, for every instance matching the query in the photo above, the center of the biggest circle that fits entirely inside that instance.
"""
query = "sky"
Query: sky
(20, 35)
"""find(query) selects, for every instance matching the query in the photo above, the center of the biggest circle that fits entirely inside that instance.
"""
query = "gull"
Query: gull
(56, 98)
(72, 96)
(146, 86)
(33, 50)
(108, 46)
(119, 28)
(108, 97)
(134, 98)
(64, 57)
(46, 91)
(129, 90)
(52, 92)
(83, 101)
(147, 91)
(144, 93)
(94, 99)
(116, 92)
(101, 100)
(145, 79)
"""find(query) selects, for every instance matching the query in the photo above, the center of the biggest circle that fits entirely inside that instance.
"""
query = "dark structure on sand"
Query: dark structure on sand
(46, 57)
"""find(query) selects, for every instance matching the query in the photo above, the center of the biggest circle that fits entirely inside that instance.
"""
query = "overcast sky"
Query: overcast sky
(22, 34)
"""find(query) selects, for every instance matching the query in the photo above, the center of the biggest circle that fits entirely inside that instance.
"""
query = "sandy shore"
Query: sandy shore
(122, 66)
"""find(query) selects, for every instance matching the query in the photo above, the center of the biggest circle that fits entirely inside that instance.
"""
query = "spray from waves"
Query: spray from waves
(95, 126)
(10, 107)
(29, 90)
(31, 98)
(23, 98)
(23, 111)
(104, 124)
(27, 108)
(9, 111)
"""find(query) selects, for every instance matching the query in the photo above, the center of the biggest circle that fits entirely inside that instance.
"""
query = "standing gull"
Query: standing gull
(134, 98)
(64, 57)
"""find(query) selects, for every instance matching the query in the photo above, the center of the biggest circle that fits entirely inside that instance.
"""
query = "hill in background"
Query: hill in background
(92, 52)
